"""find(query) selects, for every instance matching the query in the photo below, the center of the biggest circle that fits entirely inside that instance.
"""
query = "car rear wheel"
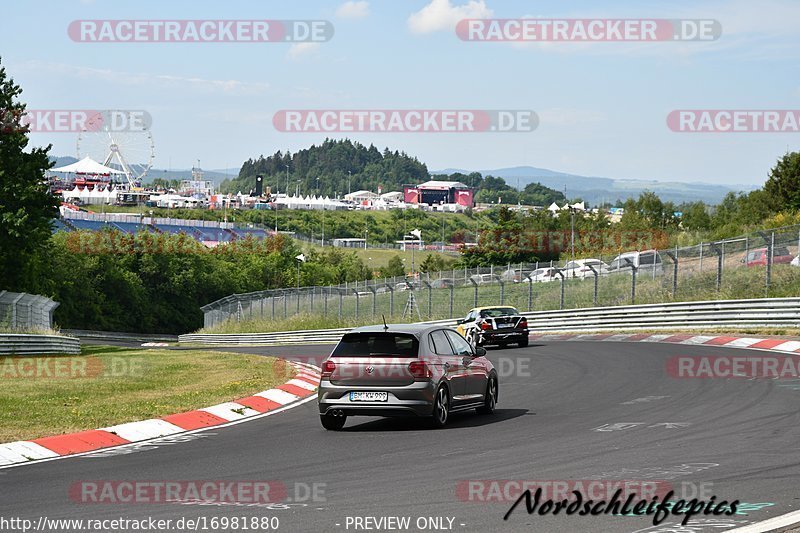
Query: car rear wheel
(523, 342)
(491, 398)
(333, 423)
(441, 408)
(472, 338)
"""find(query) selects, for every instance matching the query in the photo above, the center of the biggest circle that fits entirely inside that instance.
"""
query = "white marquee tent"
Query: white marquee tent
(87, 165)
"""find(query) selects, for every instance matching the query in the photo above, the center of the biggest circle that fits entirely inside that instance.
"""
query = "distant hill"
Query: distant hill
(595, 189)
(215, 176)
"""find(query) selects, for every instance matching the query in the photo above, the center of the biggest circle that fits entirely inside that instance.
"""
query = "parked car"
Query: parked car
(542, 274)
(407, 285)
(499, 325)
(482, 279)
(442, 283)
(408, 369)
(647, 261)
(579, 268)
(758, 257)
(512, 275)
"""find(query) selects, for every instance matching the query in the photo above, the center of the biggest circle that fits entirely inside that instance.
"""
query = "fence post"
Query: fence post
(674, 257)
(430, 297)
(325, 293)
(285, 304)
(475, 285)
(770, 241)
(298, 302)
(716, 250)
(594, 273)
(502, 289)
(530, 291)
(374, 296)
(339, 290)
(701, 257)
(561, 275)
(391, 299)
(355, 291)
(634, 268)
(272, 297)
(313, 290)
(451, 285)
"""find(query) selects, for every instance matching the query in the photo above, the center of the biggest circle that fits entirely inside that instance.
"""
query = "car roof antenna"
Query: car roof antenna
(385, 326)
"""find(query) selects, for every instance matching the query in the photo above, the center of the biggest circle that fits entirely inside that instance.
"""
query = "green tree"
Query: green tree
(783, 184)
(26, 206)
(695, 217)
(394, 268)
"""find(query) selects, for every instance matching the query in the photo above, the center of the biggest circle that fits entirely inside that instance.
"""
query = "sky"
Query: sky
(602, 106)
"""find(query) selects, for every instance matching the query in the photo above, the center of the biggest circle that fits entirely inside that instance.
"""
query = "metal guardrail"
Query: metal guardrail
(119, 337)
(21, 344)
(755, 313)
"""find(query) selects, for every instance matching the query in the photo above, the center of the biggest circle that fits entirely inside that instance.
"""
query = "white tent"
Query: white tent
(87, 165)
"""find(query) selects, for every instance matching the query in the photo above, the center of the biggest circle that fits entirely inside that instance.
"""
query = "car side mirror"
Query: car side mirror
(480, 351)
(460, 321)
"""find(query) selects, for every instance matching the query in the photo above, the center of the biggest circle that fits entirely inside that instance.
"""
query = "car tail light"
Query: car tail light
(327, 368)
(485, 326)
(419, 369)
(523, 323)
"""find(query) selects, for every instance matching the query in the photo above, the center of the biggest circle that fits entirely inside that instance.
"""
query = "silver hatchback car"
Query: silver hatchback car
(405, 370)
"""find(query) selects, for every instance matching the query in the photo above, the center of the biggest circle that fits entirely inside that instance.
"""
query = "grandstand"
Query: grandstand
(196, 229)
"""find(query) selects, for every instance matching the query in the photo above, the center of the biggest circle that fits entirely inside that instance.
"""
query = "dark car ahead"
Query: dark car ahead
(499, 325)
(405, 370)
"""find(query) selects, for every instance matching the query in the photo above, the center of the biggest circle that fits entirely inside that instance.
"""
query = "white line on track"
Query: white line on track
(771, 524)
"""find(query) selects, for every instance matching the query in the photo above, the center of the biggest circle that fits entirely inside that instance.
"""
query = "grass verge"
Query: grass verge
(110, 385)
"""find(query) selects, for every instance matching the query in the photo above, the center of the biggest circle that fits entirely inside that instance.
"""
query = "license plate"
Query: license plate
(505, 325)
(369, 396)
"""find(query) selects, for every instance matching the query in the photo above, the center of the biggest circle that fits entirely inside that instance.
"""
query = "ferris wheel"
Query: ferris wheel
(132, 151)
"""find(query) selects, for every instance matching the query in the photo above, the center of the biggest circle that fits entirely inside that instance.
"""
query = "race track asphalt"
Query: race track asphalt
(736, 439)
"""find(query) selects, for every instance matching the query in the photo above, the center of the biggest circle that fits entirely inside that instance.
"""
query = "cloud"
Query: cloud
(353, 9)
(441, 15)
(133, 78)
(300, 50)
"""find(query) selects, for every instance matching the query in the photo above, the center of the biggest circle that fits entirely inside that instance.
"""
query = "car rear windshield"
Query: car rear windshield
(498, 311)
(780, 250)
(377, 344)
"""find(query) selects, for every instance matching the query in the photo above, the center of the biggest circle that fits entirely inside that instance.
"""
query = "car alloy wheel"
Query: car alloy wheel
(491, 398)
(441, 408)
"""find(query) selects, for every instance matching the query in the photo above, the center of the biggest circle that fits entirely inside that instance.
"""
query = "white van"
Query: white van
(646, 261)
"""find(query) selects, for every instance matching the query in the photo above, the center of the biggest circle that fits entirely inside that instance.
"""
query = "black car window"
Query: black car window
(780, 250)
(440, 344)
(498, 311)
(378, 343)
(648, 258)
(460, 344)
